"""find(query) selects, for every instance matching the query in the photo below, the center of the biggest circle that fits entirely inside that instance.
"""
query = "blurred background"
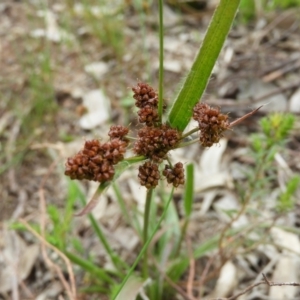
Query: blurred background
(66, 72)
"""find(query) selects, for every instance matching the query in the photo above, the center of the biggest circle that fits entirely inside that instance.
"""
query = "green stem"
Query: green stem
(161, 60)
(145, 230)
(188, 143)
(116, 260)
(144, 247)
(190, 132)
(182, 235)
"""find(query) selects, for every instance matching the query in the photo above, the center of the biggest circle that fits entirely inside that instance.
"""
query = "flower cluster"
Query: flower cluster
(212, 123)
(155, 142)
(96, 161)
(174, 175)
(149, 174)
(147, 102)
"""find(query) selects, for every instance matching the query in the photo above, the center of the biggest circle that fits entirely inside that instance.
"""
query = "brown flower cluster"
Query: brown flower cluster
(96, 161)
(174, 175)
(149, 174)
(155, 142)
(212, 123)
(147, 102)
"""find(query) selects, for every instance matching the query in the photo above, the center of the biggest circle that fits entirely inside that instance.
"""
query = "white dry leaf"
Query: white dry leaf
(286, 240)
(16, 259)
(126, 237)
(99, 211)
(226, 282)
(171, 18)
(286, 270)
(172, 65)
(138, 193)
(98, 109)
(131, 289)
(97, 69)
(208, 199)
(52, 31)
(295, 102)
(257, 88)
(52, 291)
(209, 174)
(210, 160)
(288, 265)
(229, 203)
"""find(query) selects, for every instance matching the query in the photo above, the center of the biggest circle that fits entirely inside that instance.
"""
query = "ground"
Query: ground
(58, 57)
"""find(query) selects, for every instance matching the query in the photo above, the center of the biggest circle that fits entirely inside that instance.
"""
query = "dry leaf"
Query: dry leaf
(97, 106)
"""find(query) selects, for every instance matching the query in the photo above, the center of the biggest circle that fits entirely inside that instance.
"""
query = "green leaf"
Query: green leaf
(197, 79)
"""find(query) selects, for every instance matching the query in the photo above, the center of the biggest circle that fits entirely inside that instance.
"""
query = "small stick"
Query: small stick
(237, 121)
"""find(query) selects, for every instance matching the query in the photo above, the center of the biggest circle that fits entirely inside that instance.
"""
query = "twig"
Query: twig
(239, 120)
(243, 103)
(71, 290)
(264, 281)
(189, 285)
(172, 284)
(205, 272)
(249, 288)
(71, 294)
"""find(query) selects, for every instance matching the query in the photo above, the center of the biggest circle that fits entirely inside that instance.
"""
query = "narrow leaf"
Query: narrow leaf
(197, 79)
(189, 190)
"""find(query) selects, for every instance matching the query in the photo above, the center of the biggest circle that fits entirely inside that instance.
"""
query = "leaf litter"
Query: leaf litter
(256, 67)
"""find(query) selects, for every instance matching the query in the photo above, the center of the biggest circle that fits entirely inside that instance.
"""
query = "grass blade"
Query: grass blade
(197, 79)
(144, 247)
(189, 190)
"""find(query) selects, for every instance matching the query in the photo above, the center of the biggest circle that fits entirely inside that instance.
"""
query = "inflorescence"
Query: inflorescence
(96, 160)
(211, 122)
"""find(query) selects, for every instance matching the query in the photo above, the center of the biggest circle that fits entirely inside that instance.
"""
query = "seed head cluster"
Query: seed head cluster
(155, 142)
(96, 161)
(212, 123)
(174, 175)
(147, 102)
(118, 132)
(149, 174)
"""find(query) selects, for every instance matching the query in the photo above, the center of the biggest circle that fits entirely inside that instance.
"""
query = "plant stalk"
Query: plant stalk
(145, 230)
(145, 246)
(161, 60)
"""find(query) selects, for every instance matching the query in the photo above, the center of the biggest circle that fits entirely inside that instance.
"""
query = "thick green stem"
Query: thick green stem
(161, 60)
(144, 247)
(145, 230)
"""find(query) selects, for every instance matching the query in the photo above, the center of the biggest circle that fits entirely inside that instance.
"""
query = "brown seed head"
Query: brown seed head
(212, 123)
(95, 161)
(149, 174)
(118, 132)
(155, 142)
(145, 95)
(174, 175)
